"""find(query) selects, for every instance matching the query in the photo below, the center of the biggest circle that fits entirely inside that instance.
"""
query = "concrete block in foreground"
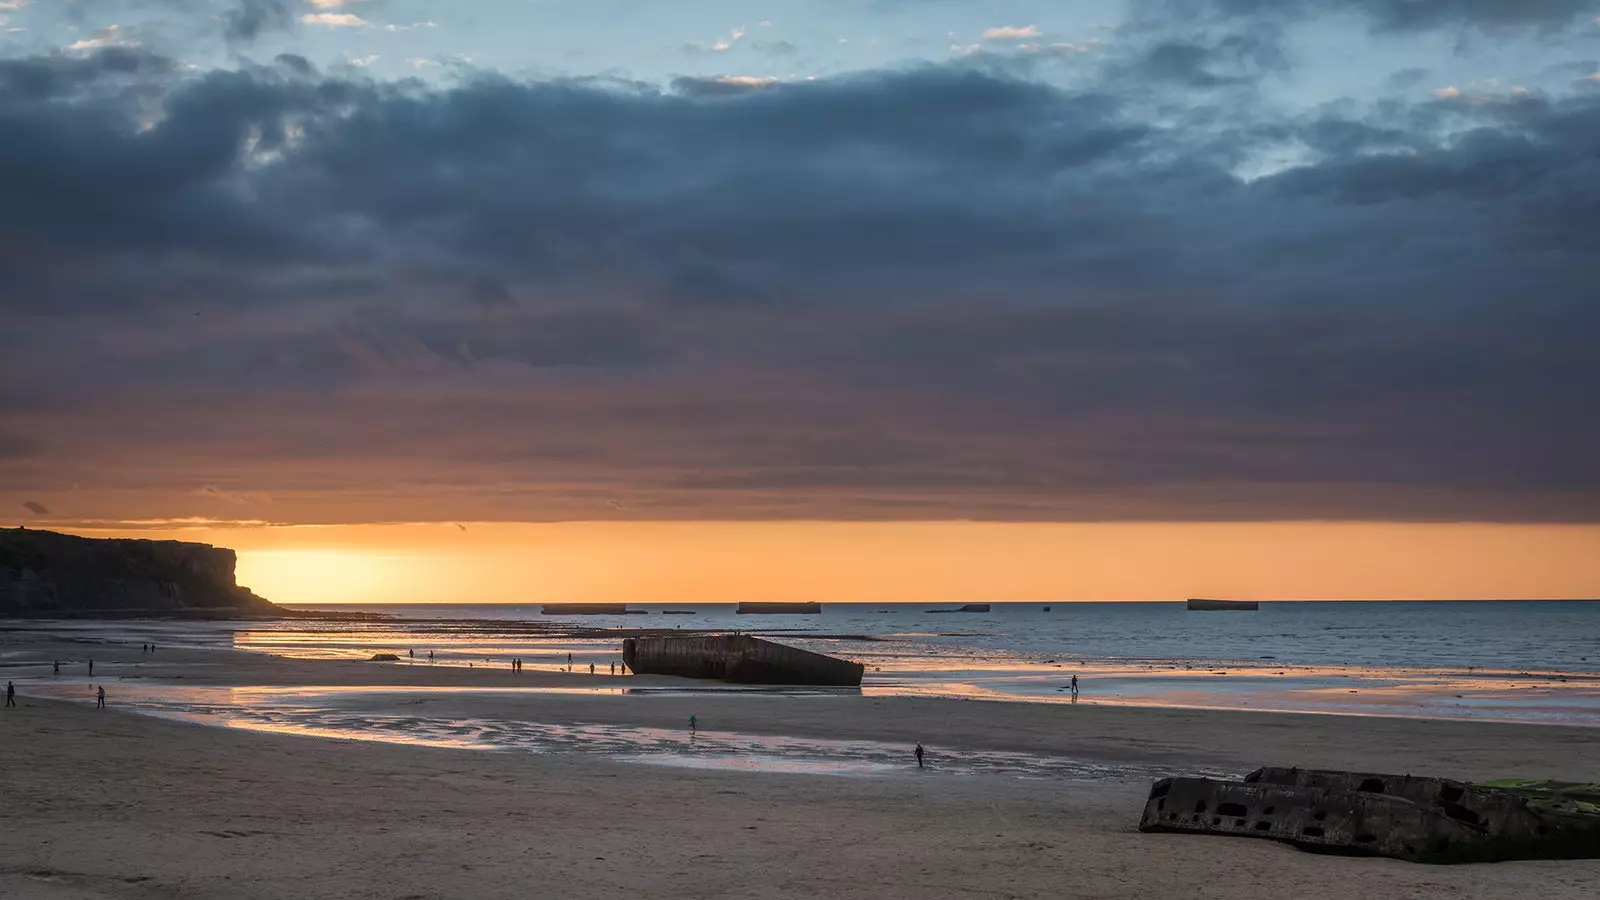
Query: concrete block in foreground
(738, 658)
(1425, 820)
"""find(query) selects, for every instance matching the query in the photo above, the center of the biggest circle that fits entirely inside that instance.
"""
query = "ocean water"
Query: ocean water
(1532, 636)
(1530, 661)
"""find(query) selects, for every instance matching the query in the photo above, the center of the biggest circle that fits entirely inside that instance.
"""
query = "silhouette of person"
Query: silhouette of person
(694, 723)
(613, 668)
(919, 751)
(91, 668)
(1074, 685)
(100, 697)
(411, 654)
(11, 694)
(591, 668)
(430, 656)
(57, 666)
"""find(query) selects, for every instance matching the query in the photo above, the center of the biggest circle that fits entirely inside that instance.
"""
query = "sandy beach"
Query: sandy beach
(118, 804)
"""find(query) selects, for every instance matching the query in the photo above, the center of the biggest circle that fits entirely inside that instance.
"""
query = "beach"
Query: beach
(120, 804)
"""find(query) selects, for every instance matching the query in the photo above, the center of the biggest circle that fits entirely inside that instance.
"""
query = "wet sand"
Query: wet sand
(110, 804)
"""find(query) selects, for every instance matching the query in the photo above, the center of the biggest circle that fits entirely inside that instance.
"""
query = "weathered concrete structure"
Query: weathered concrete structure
(780, 609)
(738, 658)
(1217, 605)
(1426, 820)
(968, 608)
(584, 609)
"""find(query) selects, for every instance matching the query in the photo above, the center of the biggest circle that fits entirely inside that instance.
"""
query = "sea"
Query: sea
(1512, 661)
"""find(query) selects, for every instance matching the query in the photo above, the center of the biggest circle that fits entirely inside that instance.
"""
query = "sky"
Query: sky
(886, 299)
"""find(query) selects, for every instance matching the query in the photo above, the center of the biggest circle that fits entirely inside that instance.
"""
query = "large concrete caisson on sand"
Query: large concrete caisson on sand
(738, 658)
(1426, 820)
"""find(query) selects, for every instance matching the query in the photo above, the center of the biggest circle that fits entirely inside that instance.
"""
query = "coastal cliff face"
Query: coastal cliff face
(46, 574)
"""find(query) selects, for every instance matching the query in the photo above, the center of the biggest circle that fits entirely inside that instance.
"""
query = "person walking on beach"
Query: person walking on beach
(57, 666)
(430, 656)
(100, 697)
(613, 668)
(591, 668)
(1074, 687)
(693, 723)
(411, 654)
(11, 694)
(91, 668)
(919, 751)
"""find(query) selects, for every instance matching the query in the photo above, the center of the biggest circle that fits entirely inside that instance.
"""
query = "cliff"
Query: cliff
(44, 574)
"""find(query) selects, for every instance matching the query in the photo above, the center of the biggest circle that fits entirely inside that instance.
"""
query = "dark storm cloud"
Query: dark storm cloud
(925, 292)
(245, 20)
(35, 507)
(1232, 59)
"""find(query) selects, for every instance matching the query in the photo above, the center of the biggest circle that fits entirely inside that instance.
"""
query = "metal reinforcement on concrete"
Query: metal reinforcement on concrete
(1219, 605)
(1424, 820)
(780, 609)
(738, 658)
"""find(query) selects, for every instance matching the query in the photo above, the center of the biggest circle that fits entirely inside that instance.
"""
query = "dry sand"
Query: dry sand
(112, 804)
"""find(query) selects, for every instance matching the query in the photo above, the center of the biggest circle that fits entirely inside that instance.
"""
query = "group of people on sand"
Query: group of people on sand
(147, 648)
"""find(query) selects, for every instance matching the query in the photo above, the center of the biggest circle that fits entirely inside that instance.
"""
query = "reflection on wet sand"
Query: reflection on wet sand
(370, 715)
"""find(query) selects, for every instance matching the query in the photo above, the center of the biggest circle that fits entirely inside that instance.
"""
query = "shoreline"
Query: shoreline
(117, 804)
(1229, 740)
(896, 668)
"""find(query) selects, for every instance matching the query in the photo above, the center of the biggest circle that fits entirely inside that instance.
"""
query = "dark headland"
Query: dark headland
(45, 574)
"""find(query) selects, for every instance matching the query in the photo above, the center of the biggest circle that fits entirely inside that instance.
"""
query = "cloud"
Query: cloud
(775, 48)
(1384, 15)
(936, 291)
(1012, 33)
(722, 85)
(335, 20)
(35, 507)
(243, 498)
(109, 36)
(248, 19)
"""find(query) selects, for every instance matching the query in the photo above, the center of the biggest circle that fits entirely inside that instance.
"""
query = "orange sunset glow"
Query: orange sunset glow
(723, 562)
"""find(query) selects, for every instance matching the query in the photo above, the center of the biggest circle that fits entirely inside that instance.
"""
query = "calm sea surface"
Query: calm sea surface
(1535, 662)
(1532, 661)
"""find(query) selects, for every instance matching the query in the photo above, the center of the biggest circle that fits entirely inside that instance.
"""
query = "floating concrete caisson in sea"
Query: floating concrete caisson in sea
(588, 609)
(1216, 605)
(780, 609)
(1425, 820)
(738, 658)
